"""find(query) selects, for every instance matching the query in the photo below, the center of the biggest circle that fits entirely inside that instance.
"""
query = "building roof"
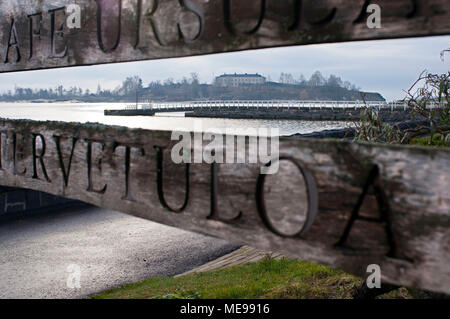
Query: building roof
(240, 75)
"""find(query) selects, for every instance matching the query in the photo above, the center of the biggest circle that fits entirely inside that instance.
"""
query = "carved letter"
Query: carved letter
(109, 14)
(127, 195)
(227, 17)
(414, 9)
(1, 146)
(14, 146)
(32, 31)
(372, 180)
(40, 157)
(56, 32)
(138, 22)
(65, 172)
(13, 41)
(297, 14)
(362, 13)
(160, 162)
(190, 7)
(89, 167)
(149, 19)
(323, 20)
(214, 187)
(312, 198)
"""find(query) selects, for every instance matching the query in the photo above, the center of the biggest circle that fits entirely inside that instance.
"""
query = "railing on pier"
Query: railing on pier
(278, 104)
(270, 104)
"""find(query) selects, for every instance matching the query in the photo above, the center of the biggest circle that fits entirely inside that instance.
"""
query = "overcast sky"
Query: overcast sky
(387, 66)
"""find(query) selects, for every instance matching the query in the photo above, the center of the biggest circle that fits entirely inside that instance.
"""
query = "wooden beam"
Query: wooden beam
(344, 204)
(49, 34)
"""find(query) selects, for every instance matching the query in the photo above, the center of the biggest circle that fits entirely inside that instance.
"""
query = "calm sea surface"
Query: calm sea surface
(93, 112)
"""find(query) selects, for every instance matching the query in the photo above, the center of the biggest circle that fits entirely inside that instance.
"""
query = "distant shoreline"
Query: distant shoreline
(61, 101)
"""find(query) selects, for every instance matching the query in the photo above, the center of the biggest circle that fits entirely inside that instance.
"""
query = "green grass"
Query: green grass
(438, 140)
(269, 278)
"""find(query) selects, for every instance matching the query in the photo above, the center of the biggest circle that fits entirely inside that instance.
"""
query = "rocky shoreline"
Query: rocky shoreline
(349, 132)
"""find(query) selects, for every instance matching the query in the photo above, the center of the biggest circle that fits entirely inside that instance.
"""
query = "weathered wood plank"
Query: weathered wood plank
(243, 255)
(58, 33)
(118, 168)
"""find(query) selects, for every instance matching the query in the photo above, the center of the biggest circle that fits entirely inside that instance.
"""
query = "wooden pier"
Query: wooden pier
(275, 110)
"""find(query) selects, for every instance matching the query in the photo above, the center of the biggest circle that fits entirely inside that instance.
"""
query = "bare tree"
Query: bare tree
(428, 98)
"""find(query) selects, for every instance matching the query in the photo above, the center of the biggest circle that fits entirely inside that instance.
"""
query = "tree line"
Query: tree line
(317, 79)
(189, 88)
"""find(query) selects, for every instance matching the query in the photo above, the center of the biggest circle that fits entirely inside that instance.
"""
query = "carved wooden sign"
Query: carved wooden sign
(343, 204)
(57, 33)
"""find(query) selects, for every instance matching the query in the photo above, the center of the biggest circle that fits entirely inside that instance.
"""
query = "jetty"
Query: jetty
(269, 109)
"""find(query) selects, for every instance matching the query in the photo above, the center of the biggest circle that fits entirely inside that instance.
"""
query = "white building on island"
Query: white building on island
(226, 80)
